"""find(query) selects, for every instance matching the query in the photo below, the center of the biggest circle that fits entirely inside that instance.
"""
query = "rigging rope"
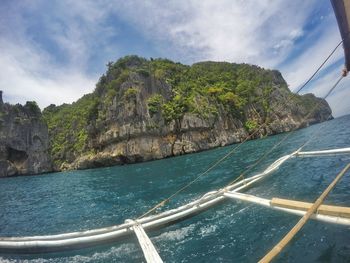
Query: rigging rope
(318, 69)
(290, 133)
(163, 202)
(317, 132)
(290, 235)
(200, 175)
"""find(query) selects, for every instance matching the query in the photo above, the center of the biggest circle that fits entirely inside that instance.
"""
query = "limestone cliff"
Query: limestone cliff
(24, 142)
(143, 110)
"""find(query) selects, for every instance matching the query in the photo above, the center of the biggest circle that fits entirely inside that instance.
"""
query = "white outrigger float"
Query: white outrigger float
(50, 243)
(316, 211)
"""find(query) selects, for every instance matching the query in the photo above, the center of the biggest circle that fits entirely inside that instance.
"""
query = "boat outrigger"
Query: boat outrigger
(234, 191)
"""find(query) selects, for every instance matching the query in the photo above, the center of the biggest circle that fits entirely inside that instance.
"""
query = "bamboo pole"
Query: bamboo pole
(320, 215)
(287, 238)
(59, 242)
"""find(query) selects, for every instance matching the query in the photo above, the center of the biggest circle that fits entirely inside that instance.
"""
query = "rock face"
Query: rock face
(143, 110)
(24, 142)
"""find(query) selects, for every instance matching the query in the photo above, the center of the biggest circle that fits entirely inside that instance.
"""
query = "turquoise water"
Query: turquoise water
(231, 232)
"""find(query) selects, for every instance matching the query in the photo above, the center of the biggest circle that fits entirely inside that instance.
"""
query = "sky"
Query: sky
(53, 52)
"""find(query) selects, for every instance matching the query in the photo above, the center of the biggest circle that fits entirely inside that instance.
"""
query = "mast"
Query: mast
(342, 12)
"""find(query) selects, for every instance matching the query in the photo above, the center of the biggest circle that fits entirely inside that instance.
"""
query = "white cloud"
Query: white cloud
(257, 32)
(289, 41)
(79, 29)
(338, 99)
(237, 31)
(26, 74)
(266, 33)
(303, 66)
(29, 72)
(322, 85)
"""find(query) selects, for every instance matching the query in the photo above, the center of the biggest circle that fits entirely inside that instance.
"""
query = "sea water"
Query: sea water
(233, 231)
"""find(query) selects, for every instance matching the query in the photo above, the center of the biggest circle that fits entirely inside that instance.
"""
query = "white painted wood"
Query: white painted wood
(86, 238)
(325, 152)
(148, 249)
(91, 237)
(266, 203)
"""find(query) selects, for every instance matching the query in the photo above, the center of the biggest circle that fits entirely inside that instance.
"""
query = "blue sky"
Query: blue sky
(55, 51)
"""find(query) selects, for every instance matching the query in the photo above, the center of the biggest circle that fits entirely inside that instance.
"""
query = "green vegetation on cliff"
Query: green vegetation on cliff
(157, 93)
(204, 87)
(68, 127)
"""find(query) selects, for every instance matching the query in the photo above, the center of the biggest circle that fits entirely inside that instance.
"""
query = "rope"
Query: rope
(290, 133)
(318, 69)
(166, 200)
(317, 132)
(200, 175)
(289, 236)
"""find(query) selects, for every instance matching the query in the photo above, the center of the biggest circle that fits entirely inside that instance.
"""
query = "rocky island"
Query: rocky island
(24, 140)
(145, 109)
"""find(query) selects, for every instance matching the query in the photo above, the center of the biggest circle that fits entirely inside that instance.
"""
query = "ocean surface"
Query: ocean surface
(231, 232)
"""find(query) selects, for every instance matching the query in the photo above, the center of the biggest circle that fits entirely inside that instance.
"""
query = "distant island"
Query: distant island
(145, 109)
